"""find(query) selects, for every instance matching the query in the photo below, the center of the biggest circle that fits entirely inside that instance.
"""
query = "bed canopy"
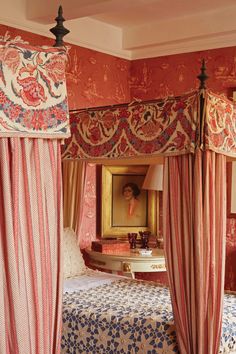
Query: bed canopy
(194, 133)
(169, 127)
(33, 122)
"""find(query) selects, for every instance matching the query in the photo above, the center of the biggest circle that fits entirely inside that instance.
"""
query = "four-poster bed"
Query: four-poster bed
(194, 133)
(33, 121)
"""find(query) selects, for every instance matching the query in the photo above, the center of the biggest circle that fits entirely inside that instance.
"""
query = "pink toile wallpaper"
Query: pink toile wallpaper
(97, 79)
(177, 74)
(89, 210)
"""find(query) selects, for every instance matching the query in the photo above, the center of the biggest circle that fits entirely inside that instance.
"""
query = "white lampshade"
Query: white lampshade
(154, 178)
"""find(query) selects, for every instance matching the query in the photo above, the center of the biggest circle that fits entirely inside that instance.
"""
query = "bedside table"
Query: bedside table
(128, 262)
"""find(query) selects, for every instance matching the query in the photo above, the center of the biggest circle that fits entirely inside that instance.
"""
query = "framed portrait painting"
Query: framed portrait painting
(126, 207)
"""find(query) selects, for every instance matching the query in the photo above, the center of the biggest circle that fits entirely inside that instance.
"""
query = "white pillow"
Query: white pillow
(73, 260)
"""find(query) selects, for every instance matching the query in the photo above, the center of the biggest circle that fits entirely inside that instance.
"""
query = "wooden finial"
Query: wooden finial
(59, 30)
(202, 76)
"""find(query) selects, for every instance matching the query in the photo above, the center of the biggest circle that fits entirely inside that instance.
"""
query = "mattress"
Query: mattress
(103, 313)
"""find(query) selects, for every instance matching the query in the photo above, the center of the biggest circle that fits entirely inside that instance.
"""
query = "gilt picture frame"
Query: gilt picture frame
(118, 218)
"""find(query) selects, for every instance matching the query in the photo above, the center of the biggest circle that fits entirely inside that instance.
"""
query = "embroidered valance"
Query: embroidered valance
(219, 133)
(169, 127)
(33, 97)
(159, 128)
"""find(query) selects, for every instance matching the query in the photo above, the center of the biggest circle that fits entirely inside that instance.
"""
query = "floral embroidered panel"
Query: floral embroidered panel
(33, 97)
(156, 128)
(220, 125)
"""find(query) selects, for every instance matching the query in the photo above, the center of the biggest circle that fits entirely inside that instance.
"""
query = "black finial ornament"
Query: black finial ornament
(202, 77)
(59, 30)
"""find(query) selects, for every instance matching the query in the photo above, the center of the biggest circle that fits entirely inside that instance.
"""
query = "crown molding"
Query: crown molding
(186, 46)
(111, 40)
(97, 39)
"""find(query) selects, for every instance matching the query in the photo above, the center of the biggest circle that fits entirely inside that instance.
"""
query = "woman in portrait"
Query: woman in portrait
(129, 203)
(131, 192)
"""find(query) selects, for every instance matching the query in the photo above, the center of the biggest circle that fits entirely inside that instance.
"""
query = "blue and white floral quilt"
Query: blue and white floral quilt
(126, 317)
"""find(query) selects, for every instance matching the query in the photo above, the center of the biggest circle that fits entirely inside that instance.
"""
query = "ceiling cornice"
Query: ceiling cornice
(214, 29)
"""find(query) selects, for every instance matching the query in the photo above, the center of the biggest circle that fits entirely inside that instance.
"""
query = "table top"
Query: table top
(157, 253)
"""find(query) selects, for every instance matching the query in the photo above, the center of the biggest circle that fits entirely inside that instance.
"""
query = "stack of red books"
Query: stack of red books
(110, 246)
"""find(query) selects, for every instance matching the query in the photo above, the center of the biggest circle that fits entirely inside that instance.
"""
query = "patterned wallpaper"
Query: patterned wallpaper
(97, 79)
(176, 74)
(88, 227)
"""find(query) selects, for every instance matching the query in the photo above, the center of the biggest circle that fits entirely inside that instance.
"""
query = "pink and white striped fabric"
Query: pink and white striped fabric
(30, 246)
(194, 202)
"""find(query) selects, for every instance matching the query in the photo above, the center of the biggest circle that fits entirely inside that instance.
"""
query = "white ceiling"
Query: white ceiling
(131, 28)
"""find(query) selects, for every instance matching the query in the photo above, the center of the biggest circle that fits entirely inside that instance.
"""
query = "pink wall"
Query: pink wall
(95, 79)
(88, 227)
(177, 74)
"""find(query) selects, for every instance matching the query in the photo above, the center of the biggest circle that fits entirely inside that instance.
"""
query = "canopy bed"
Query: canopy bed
(33, 122)
(194, 133)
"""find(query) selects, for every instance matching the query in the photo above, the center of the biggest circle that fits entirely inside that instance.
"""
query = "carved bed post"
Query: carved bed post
(202, 77)
(59, 30)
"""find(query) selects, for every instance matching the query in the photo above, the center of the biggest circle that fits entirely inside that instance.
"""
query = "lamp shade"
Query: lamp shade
(154, 178)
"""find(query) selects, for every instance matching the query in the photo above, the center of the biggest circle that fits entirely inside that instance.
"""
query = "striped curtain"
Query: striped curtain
(194, 204)
(74, 174)
(30, 246)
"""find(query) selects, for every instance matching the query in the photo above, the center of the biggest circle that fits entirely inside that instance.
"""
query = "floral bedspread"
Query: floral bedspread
(129, 317)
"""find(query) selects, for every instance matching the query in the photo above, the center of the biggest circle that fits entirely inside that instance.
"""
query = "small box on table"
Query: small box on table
(110, 246)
